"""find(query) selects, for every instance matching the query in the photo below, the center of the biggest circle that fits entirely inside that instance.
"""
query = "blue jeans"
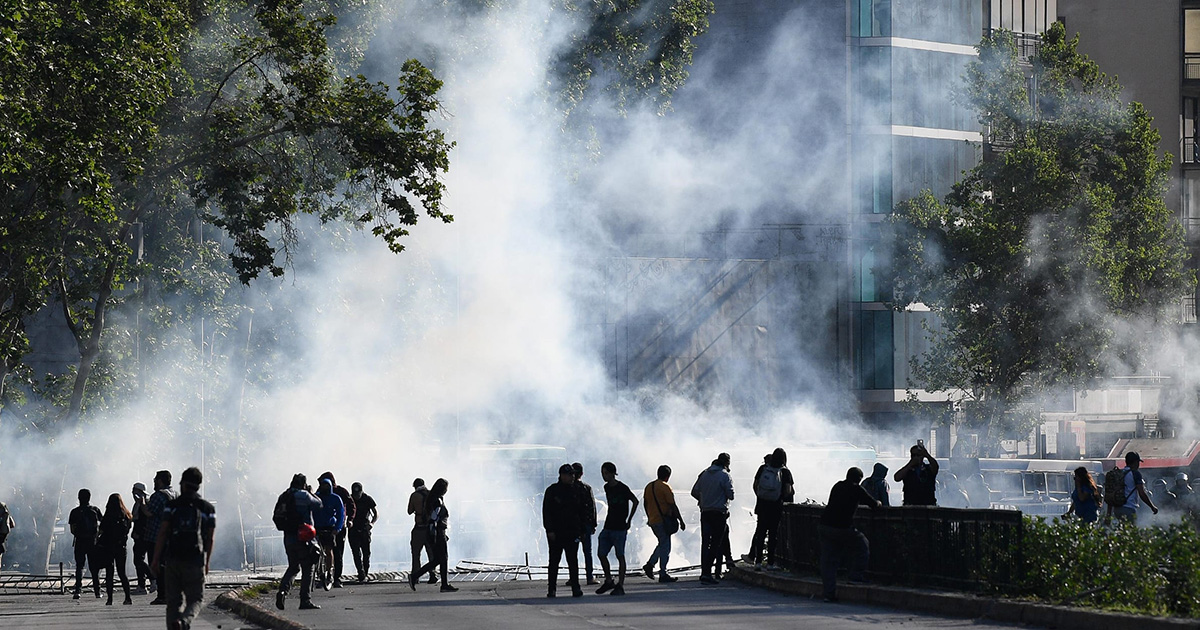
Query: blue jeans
(662, 552)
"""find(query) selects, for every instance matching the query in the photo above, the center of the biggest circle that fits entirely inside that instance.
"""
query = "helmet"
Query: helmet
(1181, 477)
(306, 532)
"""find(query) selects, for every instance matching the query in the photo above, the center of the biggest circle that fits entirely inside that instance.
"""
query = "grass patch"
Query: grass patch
(258, 590)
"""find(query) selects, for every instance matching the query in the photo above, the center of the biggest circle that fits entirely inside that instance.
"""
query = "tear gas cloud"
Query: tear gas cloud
(491, 330)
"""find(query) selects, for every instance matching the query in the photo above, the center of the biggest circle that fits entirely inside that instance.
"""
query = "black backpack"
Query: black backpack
(185, 541)
(87, 528)
(284, 515)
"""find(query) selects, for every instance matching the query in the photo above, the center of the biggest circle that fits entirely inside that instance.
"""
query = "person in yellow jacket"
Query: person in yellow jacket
(664, 519)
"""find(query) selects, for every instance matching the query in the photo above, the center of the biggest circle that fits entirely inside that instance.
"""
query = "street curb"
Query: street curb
(963, 604)
(252, 612)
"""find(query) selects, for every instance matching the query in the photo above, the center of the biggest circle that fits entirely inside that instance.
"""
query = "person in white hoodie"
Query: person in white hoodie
(713, 490)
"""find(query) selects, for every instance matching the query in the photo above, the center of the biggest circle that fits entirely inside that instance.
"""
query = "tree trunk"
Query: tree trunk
(90, 349)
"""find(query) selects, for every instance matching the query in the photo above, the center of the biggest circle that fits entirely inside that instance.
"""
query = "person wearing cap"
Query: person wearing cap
(420, 533)
(562, 517)
(588, 497)
(153, 511)
(183, 549)
(1135, 488)
(622, 505)
(141, 548)
(300, 559)
(713, 491)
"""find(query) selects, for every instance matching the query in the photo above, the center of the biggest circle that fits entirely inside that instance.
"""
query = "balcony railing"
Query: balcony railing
(1188, 309)
(1191, 65)
(1027, 44)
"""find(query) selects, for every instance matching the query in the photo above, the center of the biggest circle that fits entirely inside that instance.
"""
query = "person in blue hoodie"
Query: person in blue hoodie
(330, 520)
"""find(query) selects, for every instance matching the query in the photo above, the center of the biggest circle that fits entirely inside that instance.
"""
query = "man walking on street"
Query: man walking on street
(360, 532)
(295, 508)
(84, 522)
(588, 499)
(1135, 487)
(184, 548)
(351, 516)
(664, 519)
(838, 534)
(420, 534)
(622, 505)
(562, 517)
(713, 491)
(153, 510)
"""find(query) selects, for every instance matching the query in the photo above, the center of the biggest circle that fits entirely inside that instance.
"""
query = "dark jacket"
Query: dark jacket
(876, 485)
(563, 509)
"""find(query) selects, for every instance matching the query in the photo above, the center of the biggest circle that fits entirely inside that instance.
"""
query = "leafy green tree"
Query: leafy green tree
(1042, 253)
(236, 112)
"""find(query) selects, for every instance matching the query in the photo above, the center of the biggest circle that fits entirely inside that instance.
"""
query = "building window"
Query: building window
(874, 354)
(873, 174)
(872, 18)
(1191, 44)
(872, 282)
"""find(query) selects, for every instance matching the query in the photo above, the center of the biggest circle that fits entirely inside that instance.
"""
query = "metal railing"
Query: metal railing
(1187, 150)
(926, 546)
(1191, 65)
(1188, 309)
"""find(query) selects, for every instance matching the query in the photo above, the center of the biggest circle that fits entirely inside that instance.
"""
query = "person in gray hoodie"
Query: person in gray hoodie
(876, 485)
(713, 490)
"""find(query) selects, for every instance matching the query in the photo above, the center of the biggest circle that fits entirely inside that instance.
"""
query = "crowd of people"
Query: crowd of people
(172, 537)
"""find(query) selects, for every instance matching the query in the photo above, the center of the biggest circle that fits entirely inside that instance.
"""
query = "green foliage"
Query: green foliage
(632, 50)
(1033, 259)
(1146, 570)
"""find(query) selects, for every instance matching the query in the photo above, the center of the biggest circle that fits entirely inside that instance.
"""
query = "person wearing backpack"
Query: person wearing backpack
(183, 549)
(420, 533)
(773, 484)
(437, 518)
(114, 534)
(293, 514)
(84, 522)
(153, 511)
(1124, 505)
(713, 491)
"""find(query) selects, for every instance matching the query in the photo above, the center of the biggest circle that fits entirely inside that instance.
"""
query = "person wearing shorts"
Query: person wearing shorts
(622, 504)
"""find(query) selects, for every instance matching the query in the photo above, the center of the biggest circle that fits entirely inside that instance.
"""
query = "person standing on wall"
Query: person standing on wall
(664, 519)
(838, 534)
(141, 548)
(360, 533)
(562, 518)
(293, 516)
(437, 518)
(420, 532)
(622, 505)
(114, 534)
(183, 549)
(153, 511)
(919, 478)
(587, 498)
(351, 515)
(84, 522)
(713, 491)
(773, 484)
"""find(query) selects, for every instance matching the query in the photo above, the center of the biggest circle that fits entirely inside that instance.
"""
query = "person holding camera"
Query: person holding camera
(919, 478)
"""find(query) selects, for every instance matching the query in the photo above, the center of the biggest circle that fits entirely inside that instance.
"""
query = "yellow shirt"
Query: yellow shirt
(658, 496)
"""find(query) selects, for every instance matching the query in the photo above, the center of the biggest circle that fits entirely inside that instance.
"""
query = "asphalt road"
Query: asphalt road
(60, 612)
(522, 605)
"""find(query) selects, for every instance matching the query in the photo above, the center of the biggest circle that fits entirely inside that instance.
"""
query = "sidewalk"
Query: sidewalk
(60, 612)
(961, 605)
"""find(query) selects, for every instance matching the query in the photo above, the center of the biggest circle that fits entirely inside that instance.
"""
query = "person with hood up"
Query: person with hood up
(351, 515)
(713, 491)
(877, 486)
(773, 485)
(330, 521)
